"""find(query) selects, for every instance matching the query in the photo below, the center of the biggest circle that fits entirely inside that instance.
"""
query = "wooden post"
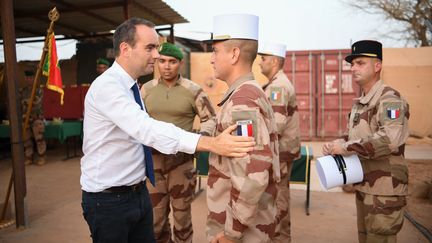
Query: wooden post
(8, 27)
(126, 13)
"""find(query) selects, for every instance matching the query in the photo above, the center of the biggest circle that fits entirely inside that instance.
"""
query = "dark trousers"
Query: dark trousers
(125, 217)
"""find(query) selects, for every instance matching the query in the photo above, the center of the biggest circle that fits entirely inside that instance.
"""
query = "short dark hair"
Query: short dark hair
(248, 48)
(125, 32)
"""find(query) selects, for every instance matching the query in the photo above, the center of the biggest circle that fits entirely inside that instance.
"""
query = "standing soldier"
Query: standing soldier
(241, 193)
(377, 131)
(102, 65)
(177, 100)
(282, 97)
(35, 131)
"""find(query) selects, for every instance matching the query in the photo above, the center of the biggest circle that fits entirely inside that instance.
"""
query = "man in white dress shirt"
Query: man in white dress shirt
(115, 201)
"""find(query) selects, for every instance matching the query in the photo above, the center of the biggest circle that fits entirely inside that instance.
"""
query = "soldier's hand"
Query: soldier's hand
(226, 144)
(220, 238)
(337, 148)
(233, 146)
(327, 148)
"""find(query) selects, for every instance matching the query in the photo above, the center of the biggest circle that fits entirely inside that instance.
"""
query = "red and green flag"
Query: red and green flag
(51, 68)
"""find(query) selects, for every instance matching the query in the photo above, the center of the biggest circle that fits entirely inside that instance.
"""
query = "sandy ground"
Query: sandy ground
(54, 211)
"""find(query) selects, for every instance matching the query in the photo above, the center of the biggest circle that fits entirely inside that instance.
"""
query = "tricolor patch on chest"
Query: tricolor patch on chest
(245, 128)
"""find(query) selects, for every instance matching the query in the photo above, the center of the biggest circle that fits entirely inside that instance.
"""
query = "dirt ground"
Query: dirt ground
(54, 207)
(420, 189)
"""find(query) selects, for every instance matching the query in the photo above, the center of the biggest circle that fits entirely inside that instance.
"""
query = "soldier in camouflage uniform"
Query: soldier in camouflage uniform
(377, 131)
(177, 100)
(241, 192)
(282, 97)
(35, 131)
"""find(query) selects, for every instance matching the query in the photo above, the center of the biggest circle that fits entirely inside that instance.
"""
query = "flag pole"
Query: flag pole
(53, 15)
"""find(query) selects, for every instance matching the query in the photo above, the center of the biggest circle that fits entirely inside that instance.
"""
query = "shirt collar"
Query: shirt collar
(125, 77)
(237, 83)
(275, 76)
(177, 82)
(365, 99)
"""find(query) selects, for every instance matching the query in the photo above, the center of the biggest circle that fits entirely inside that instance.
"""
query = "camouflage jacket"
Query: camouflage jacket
(283, 100)
(25, 95)
(241, 192)
(179, 104)
(377, 131)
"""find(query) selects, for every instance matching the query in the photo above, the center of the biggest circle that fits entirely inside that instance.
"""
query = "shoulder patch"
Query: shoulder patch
(276, 95)
(247, 121)
(392, 111)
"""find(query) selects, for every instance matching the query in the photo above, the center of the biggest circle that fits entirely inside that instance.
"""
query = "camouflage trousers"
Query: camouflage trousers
(379, 218)
(283, 228)
(260, 230)
(175, 185)
(35, 134)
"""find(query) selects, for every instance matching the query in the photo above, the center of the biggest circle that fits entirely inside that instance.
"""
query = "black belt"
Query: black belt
(119, 189)
(340, 162)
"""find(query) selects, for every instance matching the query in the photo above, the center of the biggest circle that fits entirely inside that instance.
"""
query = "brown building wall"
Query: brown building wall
(409, 70)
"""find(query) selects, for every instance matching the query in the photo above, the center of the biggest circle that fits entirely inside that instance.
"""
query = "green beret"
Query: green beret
(168, 49)
(102, 61)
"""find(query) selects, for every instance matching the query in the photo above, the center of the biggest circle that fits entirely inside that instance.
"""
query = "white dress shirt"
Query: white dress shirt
(115, 128)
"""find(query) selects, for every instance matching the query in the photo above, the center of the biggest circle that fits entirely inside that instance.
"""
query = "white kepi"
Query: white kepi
(235, 26)
(339, 170)
(272, 49)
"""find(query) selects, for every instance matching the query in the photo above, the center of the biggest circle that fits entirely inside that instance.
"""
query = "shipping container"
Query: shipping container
(324, 89)
(322, 82)
(299, 67)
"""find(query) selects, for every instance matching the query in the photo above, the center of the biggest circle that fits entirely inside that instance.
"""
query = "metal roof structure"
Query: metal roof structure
(82, 18)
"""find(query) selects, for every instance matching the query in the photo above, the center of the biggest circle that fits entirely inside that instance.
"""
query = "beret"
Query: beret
(168, 49)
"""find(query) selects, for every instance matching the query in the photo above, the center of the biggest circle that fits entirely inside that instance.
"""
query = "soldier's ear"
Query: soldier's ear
(274, 61)
(235, 55)
(378, 66)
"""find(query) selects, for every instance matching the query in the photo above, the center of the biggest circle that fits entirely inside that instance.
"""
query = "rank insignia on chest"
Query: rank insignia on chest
(275, 95)
(245, 128)
(393, 113)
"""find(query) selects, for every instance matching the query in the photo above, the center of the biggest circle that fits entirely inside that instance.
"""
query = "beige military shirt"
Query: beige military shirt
(377, 131)
(282, 97)
(179, 104)
(241, 192)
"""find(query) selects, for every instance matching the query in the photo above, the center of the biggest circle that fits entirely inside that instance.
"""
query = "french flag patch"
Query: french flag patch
(393, 113)
(245, 128)
(275, 95)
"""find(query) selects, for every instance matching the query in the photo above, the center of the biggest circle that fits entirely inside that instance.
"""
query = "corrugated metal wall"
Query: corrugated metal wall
(325, 91)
